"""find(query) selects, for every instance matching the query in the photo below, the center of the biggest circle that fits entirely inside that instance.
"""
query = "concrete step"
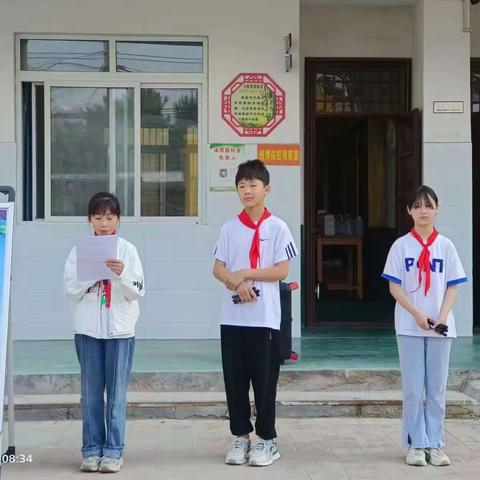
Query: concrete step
(298, 404)
(472, 389)
(290, 380)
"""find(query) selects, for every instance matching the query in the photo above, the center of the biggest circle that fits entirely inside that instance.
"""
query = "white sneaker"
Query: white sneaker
(264, 453)
(416, 457)
(239, 452)
(110, 465)
(437, 457)
(90, 464)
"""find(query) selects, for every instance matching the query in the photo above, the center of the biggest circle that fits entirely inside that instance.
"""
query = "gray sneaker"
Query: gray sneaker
(416, 457)
(264, 453)
(437, 457)
(239, 452)
(90, 464)
(110, 465)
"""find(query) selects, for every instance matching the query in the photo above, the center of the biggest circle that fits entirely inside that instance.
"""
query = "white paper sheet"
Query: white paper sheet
(92, 253)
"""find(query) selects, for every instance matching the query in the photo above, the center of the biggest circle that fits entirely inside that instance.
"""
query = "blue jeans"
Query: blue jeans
(104, 364)
(424, 367)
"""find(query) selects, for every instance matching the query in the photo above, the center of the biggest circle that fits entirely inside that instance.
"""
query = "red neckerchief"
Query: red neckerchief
(255, 248)
(424, 258)
(108, 292)
(107, 288)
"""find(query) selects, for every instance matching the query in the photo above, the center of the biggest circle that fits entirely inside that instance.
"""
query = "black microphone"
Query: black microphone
(236, 298)
(441, 328)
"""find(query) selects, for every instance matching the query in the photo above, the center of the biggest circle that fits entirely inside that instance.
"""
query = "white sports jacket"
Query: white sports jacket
(85, 301)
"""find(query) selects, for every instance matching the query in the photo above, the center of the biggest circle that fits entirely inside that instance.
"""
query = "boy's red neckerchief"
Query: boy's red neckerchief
(255, 247)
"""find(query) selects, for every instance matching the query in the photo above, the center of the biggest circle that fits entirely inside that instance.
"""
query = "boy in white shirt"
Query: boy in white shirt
(251, 257)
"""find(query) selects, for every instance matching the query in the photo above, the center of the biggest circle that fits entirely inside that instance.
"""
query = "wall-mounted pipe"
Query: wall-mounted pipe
(467, 27)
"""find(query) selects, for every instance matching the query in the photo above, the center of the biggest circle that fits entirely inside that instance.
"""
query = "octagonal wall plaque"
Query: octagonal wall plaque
(253, 104)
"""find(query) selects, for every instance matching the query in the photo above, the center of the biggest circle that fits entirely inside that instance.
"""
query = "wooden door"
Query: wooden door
(408, 165)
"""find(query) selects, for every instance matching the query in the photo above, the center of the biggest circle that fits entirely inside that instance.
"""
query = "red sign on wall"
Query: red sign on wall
(279, 154)
(253, 104)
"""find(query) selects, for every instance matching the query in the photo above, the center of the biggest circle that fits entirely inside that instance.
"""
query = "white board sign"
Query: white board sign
(448, 107)
(224, 159)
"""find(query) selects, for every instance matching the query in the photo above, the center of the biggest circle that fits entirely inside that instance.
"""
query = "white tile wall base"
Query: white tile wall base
(42, 307)
(182, 297)
(164, 314)
(194, 330)
(36, 275)
(60, 330)
(180, 308)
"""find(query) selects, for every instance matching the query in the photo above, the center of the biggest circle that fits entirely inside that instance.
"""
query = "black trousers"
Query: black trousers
(251, 354)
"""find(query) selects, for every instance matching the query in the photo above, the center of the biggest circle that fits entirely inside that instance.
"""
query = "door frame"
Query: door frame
(475, 118)
(311, 67)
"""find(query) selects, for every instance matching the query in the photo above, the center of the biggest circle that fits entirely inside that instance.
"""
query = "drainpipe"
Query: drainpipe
(466, 16)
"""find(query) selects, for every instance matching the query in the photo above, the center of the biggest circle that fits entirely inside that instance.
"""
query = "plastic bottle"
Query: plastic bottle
(348, 225)
(359, 226)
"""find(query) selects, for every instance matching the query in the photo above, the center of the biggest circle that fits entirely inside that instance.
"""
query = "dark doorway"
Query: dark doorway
(362, 158)
(475, 109)
(476, 215)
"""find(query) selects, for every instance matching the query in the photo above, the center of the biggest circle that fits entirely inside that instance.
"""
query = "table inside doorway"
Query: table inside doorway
(356, 244)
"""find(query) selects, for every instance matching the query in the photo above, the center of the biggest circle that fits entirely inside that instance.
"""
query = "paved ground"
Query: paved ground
(314, 449)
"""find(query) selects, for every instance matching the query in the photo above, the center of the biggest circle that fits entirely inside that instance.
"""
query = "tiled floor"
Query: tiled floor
(311, 449)
(318, 349)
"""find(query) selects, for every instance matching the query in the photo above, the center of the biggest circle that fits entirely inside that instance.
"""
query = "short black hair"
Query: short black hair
(253, 170)
(103, 202)
(425, 193)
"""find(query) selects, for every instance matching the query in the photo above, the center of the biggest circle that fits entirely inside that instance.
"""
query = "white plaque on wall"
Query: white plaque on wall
(448, 107)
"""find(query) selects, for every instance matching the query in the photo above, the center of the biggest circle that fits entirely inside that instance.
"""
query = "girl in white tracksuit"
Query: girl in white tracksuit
(104, 315)
(423, 269)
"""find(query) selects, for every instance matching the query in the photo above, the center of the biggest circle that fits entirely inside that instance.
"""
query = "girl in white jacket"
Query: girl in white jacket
(104, 315)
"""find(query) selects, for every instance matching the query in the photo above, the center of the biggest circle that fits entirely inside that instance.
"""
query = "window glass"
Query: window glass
(64, 55)
(169, 151)
(181, 57)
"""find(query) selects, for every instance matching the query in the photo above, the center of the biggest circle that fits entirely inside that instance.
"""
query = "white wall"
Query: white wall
(344, 31)
(445, 70)
(442, 72)
(182, 299)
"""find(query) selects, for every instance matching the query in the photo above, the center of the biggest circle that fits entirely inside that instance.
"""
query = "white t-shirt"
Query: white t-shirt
(233, 248)
(445, 270)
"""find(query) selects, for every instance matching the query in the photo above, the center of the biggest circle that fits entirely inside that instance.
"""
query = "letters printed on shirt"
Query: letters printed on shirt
(436, 264)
